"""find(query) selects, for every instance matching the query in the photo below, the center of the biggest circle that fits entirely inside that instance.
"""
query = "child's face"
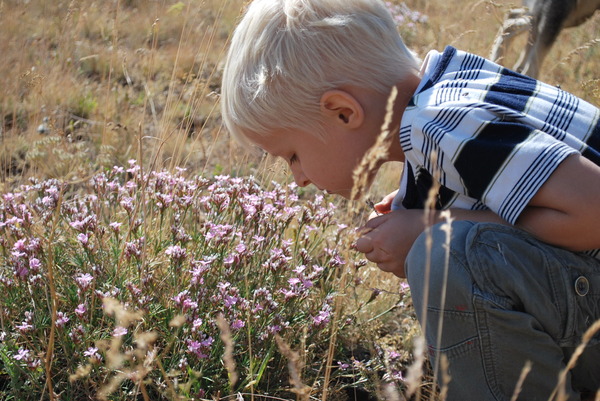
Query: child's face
(327, 163)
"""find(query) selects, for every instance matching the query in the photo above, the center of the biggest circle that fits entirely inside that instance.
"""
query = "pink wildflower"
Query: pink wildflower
(34, 264)
(189, 304)
(33, 364)
(200, 348)
(119, 331)
(20, 246)
(115, 227)
(83, 238)
(127, 204)
(237, 324)
(22, 354)
(294, 280)
(92, 353)
(288, 294)
(196, 324)
(24, 327)
(176, 253)
(61, 319)
(84, 280)
(80, 310)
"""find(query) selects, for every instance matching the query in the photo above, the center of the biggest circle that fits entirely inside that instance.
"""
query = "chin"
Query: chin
(343, 194)
(348, 195)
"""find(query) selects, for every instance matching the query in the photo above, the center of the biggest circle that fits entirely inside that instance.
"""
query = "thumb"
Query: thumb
(383, 208)
(385, 205)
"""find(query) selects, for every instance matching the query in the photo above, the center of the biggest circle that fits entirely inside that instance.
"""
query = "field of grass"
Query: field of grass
(147, 256)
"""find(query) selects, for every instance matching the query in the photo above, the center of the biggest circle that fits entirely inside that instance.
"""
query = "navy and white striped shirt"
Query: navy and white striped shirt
(490, 135)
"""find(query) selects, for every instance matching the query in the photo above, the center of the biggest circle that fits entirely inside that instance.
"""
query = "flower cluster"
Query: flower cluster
(167, 246)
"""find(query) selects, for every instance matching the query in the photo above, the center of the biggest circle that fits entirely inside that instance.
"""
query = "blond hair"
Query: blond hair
(285, 54)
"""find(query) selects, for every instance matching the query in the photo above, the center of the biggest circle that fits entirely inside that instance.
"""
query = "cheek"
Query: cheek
(330, 166)
(321, 167)
(340, 169)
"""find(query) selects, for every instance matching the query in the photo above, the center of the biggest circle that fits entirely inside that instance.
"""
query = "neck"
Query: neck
(406, 89)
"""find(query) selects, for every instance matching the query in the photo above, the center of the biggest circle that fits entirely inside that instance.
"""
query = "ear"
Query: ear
(341, 108)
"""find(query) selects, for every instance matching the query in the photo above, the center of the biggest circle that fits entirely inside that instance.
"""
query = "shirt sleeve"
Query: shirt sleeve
(485, 152)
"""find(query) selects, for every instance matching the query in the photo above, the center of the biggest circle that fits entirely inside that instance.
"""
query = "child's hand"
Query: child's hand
(385, 205)
(388, 238)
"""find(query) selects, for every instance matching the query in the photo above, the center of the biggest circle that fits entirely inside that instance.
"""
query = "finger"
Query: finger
(364, 230)
(383, 208)
(392, 267)
(376, 221)
(386, 203)
(365, 245)
(378, 256)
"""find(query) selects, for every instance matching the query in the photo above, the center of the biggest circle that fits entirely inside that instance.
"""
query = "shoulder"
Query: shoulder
(453, 65)
(450, 79)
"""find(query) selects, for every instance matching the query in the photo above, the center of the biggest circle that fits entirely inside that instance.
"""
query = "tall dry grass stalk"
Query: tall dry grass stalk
(524, 372)
(559, 393)
(445, 366)
(414, 374)
(447, 228)
(117, 359)
(228, 354)
(53, 312)
(429, 217)
(577, 52)
(377, 154)
(362, 176)
(295, 368)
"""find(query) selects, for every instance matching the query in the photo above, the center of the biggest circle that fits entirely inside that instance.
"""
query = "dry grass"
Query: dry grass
(472, 25)
(140, 79)
(90, 84)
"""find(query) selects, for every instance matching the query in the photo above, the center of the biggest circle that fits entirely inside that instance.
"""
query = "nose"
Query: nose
(299, 177)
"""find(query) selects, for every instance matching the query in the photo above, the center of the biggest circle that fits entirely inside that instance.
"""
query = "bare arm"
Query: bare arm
(387, 239)
(566, 210)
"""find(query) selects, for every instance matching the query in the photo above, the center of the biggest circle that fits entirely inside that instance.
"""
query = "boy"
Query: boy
(516, 161)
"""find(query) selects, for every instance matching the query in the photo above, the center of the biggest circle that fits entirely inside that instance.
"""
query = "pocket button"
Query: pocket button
(582, 286)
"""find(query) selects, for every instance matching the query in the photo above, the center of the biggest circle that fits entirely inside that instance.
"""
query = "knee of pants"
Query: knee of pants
(435, 264)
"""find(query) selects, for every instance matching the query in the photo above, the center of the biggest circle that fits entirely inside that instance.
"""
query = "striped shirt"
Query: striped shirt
(490, 136)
